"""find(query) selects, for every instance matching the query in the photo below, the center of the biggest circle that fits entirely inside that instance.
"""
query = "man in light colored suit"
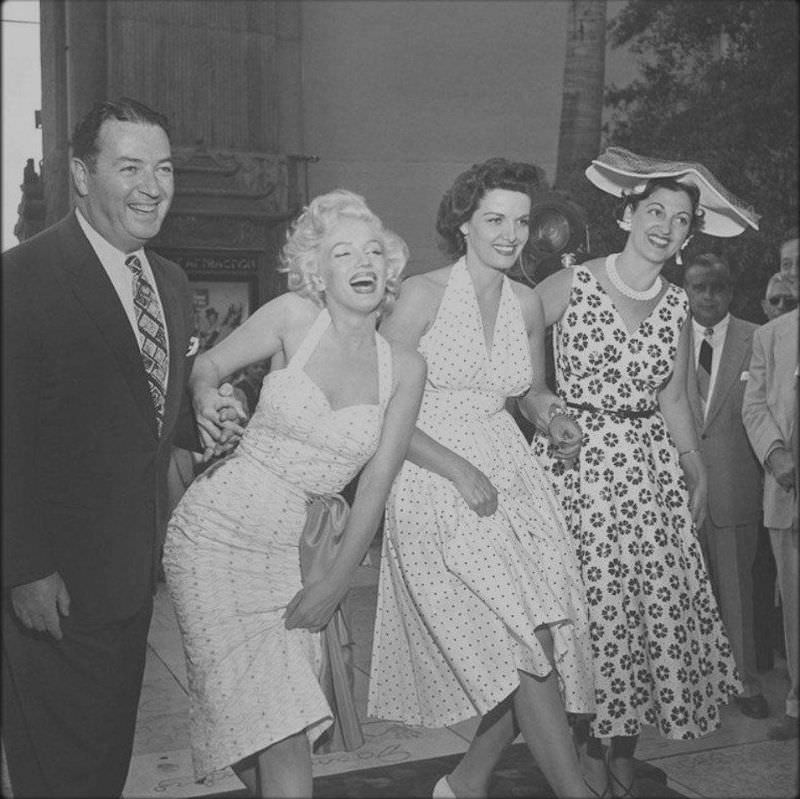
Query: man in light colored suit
(729, 535)
(769, 413)
(780, 296)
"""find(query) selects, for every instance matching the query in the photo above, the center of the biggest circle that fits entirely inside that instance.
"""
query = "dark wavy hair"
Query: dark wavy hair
(633, 199)
(84, 138)
(462, 199)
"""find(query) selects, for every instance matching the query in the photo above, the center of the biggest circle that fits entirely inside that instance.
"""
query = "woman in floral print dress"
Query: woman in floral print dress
(632, 501)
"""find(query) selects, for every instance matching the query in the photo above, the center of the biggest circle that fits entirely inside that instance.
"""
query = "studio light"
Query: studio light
(558, 227)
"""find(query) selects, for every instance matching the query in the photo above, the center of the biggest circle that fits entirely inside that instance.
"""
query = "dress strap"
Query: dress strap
(385, 370)
(309, 343)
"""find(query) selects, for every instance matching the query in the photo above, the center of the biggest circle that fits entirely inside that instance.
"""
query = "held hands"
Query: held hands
(218, 414)
(313, 605)
(565, 436)
(475, 488)
(39, 603)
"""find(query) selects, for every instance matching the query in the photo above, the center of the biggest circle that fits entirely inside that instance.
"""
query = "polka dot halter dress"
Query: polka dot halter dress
(460, 595)
(232, 564)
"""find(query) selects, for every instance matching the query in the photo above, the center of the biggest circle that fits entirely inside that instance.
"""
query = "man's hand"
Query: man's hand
(38, 604)
(781, 467)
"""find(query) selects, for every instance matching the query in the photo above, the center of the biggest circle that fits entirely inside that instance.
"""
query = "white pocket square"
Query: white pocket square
(745, 376)
(194, 346)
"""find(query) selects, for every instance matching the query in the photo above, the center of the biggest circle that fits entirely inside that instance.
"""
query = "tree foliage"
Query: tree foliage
(718, 84)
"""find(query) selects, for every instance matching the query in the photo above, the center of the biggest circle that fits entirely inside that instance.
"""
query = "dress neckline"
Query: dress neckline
(461, 267)
(309, 344)
(629, 333)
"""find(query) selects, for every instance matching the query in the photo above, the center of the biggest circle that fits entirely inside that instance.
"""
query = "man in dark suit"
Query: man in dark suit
(97, 350)
(729, 535)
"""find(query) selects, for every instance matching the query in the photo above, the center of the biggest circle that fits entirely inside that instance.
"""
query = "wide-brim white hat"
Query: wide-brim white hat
(619, 171)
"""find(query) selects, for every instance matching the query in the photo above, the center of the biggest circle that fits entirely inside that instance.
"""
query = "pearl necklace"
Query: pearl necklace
(623, 288)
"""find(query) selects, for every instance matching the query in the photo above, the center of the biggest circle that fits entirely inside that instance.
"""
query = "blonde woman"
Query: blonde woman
(346, 399)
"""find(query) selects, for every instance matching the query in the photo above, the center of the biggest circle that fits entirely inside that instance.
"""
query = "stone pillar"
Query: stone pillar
(87, 57)
(288, 77)
(55, 128)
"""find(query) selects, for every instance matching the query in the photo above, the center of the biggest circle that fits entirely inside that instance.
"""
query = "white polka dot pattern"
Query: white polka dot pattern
(460, 596)
(232, 565)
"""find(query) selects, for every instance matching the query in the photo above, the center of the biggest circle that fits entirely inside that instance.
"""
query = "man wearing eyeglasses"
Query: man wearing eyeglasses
(780, 296)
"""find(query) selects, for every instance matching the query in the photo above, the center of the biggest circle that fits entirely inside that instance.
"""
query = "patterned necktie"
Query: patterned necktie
(153, 340)
(704, 364)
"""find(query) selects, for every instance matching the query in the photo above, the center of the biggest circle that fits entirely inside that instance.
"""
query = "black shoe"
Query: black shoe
(754, 706)
(784, 730)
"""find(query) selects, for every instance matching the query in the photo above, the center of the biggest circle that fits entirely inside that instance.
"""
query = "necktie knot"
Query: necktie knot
(134, 264)
(708, 332)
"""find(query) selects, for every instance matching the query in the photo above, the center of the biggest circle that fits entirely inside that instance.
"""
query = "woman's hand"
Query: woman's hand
(698, 501)
(475, 488)
(566, 436)
(313, 605)
(695, 475)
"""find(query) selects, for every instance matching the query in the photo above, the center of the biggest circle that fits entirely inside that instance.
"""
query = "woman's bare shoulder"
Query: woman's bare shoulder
(426, 281)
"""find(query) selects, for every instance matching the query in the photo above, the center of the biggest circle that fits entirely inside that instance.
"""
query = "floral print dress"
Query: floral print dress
(661, 655)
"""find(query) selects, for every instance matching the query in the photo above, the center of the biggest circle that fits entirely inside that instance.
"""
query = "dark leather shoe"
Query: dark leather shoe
(754, 706)
(784, 730)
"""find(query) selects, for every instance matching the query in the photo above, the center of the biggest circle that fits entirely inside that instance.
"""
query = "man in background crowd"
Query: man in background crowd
(770, 417)
(729, 536)
(780, 296)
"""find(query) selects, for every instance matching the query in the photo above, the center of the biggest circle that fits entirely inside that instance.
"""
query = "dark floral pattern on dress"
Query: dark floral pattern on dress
(661, 654)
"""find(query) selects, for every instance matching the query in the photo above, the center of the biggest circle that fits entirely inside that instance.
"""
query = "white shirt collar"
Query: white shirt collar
(719, 329)
(106, 252)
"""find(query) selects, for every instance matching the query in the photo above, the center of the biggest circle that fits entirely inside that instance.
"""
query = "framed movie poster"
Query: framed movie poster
(224, 288)
(220, 306)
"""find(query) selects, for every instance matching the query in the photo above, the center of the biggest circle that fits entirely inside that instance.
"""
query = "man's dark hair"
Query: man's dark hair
(84, 138)
(710, 260)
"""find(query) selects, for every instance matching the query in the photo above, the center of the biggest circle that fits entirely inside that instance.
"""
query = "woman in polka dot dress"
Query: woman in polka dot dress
(661, 654)
(480, 607)
(345, 399)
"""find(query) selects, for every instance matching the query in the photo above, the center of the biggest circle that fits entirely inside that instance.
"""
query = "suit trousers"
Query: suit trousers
(785, 548)
(730, 553)
(69, 706)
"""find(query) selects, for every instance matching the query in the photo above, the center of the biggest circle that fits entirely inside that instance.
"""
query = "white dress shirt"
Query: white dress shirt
(717, 342)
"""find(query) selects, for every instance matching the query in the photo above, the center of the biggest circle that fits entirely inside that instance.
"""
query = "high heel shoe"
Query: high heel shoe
(442, 790)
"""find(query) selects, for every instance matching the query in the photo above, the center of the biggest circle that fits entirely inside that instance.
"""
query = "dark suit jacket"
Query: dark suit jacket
(84, 469)
(734, 474)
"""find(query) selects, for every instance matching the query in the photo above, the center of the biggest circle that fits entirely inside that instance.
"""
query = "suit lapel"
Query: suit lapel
(730, 371)
(85, 277)
(695, 402)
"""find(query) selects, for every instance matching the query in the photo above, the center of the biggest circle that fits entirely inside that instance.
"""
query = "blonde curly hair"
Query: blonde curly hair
(299, 258)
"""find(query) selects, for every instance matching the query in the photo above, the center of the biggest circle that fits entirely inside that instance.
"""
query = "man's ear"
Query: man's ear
(80, 176)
